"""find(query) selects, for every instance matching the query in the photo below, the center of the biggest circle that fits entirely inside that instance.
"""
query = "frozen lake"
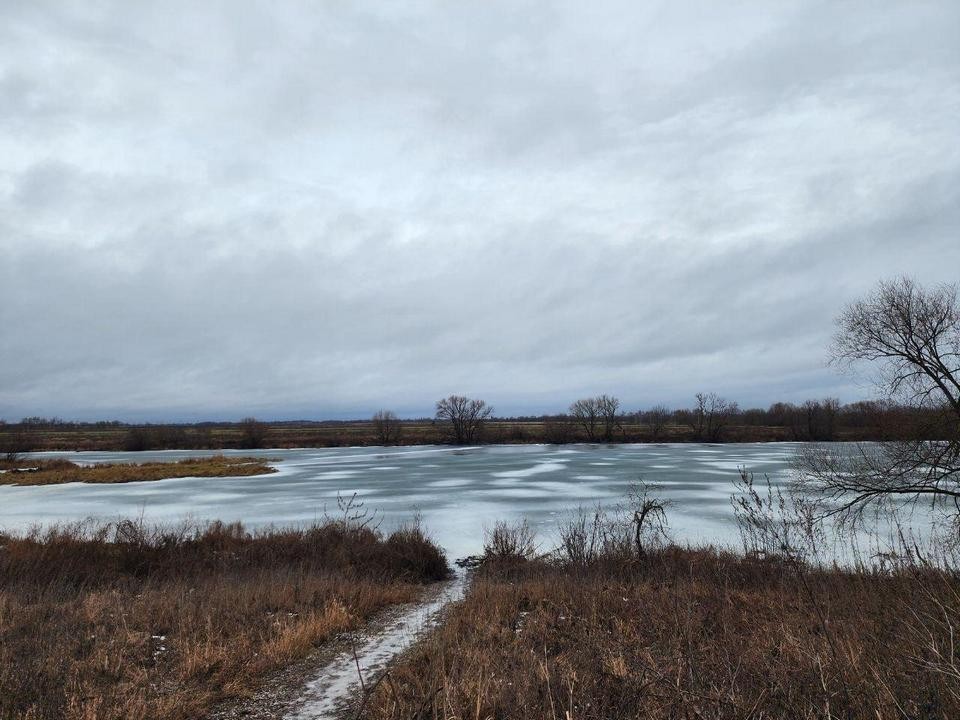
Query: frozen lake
(458, 491)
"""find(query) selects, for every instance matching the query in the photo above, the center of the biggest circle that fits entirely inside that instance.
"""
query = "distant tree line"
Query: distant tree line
(461, 420)
(52, 423)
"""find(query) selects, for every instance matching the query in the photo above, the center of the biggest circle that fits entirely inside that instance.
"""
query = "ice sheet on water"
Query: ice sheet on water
(449, 483)
(537, 469)
(336, 474)
(727, 464)
(458, 494)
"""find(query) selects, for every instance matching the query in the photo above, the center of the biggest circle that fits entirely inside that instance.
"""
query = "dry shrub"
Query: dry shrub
(411, 548)
(509, 542)
(132, 621)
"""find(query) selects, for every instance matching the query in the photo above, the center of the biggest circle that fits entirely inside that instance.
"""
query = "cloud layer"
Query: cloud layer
(319, 209)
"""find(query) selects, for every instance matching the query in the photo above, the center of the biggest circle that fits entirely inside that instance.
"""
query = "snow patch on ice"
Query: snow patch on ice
(450, 482)
(336, 474)
(537, 469)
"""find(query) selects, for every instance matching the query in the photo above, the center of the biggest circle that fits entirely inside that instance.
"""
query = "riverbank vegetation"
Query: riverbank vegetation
(824, 420)
(123, 621)
(59, 470)
(594, 630)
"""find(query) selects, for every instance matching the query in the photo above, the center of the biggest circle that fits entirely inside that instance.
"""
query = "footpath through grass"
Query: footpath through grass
(123, 622)
(685, 634)
(59, 470)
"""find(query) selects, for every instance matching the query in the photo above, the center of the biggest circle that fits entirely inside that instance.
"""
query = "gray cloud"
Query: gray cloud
(317, 210)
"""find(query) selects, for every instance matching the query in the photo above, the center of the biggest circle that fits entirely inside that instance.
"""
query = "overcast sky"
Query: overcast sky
(317, 209)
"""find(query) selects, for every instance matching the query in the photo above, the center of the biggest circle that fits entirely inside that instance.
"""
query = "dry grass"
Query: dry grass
(54, 472)
(351, 433)
(121, 622)
(686, 634)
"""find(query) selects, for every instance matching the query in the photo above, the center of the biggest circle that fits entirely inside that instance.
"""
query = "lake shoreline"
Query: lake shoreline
(343, 434)
(459, 491)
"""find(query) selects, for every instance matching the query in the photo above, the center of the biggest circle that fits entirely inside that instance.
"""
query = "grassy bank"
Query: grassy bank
(53, 472)
(685, 634)
(122, 622)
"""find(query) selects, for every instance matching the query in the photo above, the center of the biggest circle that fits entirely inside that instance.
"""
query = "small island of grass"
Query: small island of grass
(60, 470)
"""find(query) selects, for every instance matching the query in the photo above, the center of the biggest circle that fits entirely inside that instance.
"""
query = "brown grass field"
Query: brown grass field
(360, 433)
(685, 634)
(118, 622)
(53, 472)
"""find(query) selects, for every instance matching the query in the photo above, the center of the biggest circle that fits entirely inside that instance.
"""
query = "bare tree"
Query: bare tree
(586, 413)
(697, 417)
(463, 418)
(138, 439)
(710, 416)
(910, 336)
(649, 517)
(15, 442)
(608, 407)
(811, 414)
(818, 418)
(830, 407)
(558, 430)
(253, 433)
(597, 416)
(387, 427)
(657, 418)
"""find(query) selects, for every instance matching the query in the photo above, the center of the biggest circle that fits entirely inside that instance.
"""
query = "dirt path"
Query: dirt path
(336, 686)
(326, 684)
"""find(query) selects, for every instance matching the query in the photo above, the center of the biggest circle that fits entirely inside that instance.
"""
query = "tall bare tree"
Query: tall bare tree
(387, 427)
(586, 413)
(598, 416)
(830, 411)
(463, 418)
(609, 407)
(711, 416)
(909, 338)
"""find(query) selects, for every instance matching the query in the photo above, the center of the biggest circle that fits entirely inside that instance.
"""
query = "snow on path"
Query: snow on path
(337, 684)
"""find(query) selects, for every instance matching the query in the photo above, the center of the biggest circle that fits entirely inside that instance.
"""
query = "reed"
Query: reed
(57, 471)
(132, 621)
(685, 633)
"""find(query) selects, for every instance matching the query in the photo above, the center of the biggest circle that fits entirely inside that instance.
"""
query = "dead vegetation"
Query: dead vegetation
(603, 627)
(124, 621)
(57, 471)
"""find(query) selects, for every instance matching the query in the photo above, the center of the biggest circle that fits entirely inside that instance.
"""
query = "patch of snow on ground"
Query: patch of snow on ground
(338, 683)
